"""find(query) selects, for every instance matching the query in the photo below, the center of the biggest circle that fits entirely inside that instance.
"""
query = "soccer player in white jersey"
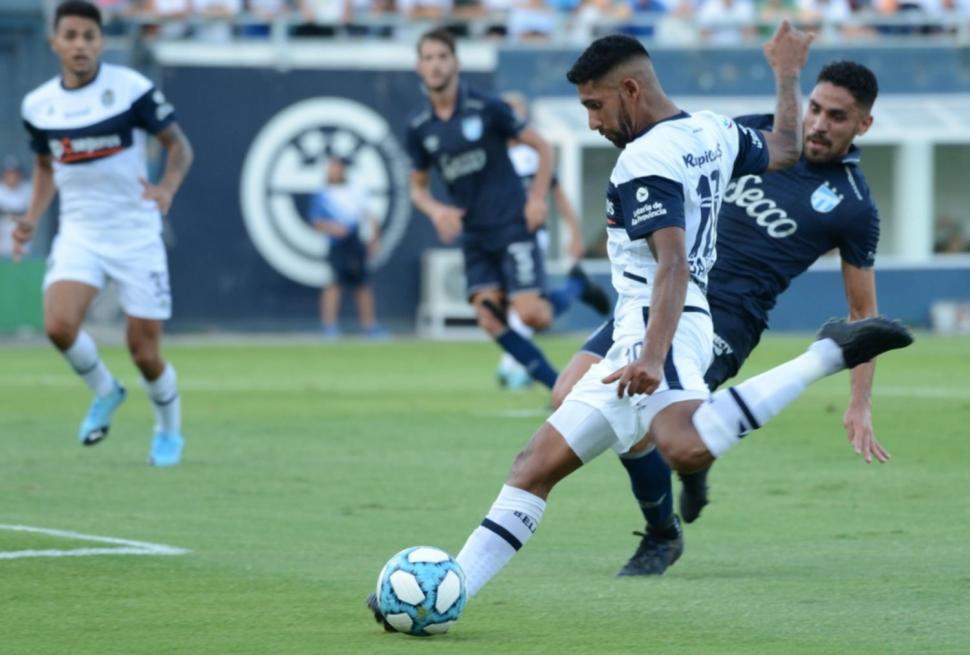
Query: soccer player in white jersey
(88, 129)
(649, 389)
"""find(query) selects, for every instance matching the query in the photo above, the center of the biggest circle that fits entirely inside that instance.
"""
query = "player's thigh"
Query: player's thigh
(141, 272)
(569, 376)
(75, 274)
(523, 268)
(673, 432)
(592, 418)
(546, 460)
(65, 304)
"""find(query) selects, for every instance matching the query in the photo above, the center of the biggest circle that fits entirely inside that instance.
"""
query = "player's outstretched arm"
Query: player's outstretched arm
(178, 160)
(41, 196)
(786, 53)
(860, 293)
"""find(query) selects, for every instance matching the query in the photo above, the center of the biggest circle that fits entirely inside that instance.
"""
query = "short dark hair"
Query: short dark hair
(603, 55)
(81, 8)
(439, 34)
(854, 78)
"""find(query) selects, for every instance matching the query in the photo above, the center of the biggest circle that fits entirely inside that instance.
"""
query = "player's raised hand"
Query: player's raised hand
(858, 428)
(447, 222)
(636, 378)
(536, 212)
(161, 195)
(23, 233)
(787, 50)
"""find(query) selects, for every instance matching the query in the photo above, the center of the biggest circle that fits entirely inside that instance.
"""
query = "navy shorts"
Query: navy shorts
(735, 336)
(518, 267)
(734, 339)
(348, 259)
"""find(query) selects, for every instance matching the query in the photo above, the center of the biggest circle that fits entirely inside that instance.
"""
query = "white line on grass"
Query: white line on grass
(123, 546)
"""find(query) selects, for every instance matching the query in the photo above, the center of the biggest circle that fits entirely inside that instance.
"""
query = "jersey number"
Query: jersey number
(709, 190)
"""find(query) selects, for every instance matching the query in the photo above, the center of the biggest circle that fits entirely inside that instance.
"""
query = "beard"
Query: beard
(624, 133)
(830, 152)
(441, 86)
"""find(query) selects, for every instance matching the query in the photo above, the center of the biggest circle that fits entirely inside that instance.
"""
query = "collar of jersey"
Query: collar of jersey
(675, 117)
(851, 158)
(94, 79)
(459, 104)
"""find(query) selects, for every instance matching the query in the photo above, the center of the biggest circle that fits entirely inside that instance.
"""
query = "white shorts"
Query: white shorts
(140, 270)
(629, 418)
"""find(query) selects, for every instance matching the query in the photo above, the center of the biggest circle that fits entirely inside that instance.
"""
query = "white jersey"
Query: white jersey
(96, 137)
(673, 175)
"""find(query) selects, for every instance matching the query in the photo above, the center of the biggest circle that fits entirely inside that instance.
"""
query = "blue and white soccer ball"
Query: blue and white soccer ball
(421, 591)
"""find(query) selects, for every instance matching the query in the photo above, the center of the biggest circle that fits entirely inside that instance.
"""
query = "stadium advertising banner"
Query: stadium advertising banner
(243, 252)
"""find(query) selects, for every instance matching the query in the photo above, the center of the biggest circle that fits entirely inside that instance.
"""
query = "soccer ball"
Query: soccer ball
(421, 591)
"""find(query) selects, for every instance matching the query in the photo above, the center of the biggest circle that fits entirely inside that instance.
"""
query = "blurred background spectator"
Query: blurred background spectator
(726, 22)
(14, 201)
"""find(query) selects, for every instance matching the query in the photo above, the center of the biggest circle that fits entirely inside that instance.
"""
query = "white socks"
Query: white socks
(508, 362)
(734, 412)
(163, 392)
(510, 522)
(83, 358)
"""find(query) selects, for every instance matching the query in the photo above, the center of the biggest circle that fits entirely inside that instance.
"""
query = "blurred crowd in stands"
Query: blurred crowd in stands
(719, 22)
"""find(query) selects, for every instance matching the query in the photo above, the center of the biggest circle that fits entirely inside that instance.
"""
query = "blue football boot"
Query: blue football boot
(96, 424)
(166, 449)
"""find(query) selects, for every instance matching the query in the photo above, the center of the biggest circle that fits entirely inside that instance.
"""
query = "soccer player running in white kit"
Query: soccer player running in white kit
(663, 195)
(88, 129)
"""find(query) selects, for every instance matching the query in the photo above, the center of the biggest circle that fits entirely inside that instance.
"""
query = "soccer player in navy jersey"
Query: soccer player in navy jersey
(464, 134)
(88, 128)
(770, 229)
(525, 161)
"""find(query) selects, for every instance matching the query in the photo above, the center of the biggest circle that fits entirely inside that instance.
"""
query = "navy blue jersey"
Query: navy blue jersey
(772, 227)
(470, 150)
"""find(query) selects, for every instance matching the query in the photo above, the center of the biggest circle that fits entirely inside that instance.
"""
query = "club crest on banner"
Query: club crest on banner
(284, 168)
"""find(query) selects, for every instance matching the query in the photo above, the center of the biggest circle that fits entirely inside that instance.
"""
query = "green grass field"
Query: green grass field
(307, 466)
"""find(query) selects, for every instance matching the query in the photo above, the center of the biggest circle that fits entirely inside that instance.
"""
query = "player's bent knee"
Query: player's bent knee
(145, 354)
(685, 453)
(535, 313)
(62, 333)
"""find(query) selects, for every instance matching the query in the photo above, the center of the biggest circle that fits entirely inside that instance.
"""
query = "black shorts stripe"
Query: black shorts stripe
(744, 408)
(670, 371)
(635, 278)
(488, 524)
(690, 309)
